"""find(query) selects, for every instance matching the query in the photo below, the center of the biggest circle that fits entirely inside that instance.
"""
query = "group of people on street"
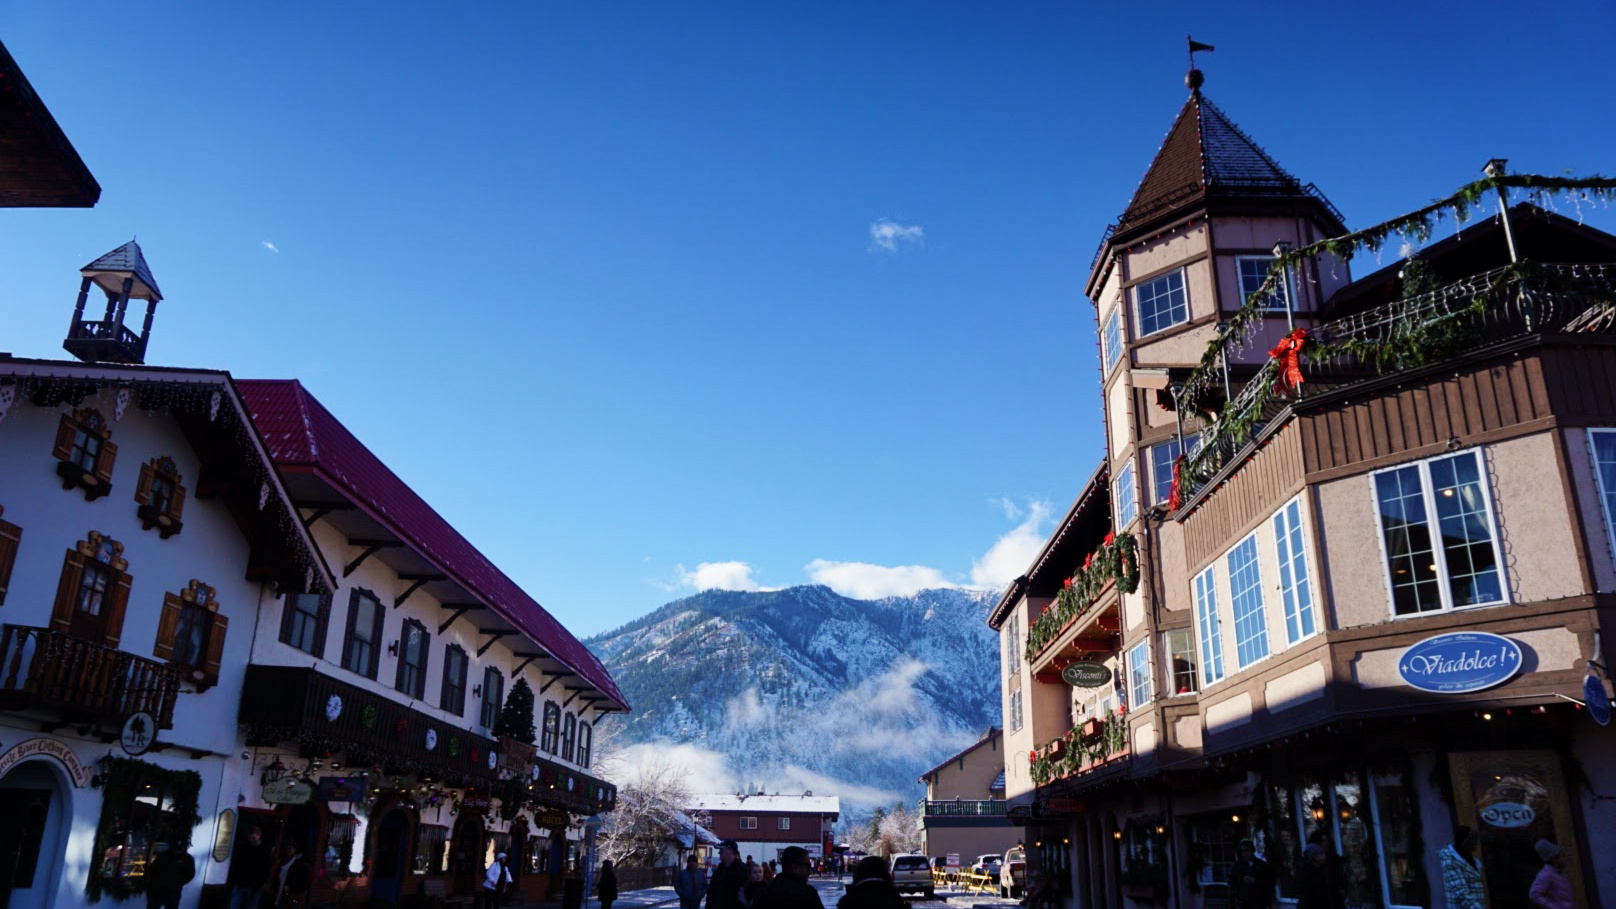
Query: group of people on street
(1465, 888)
(256, 880)
(740, 885)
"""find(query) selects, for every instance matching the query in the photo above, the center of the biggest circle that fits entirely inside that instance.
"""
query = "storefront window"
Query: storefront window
(1285, 848)
(147, 819)
(430, 846)
(538, 854)
(497, 843)
(1394, 819)
(142, 805)
(1359, 873)
(1214, 845)
(339, 841)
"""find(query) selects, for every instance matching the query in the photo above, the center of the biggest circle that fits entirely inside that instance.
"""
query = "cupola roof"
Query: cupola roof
(126, 261)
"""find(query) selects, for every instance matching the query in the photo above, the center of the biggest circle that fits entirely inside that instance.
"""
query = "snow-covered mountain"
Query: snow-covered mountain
(806, 689)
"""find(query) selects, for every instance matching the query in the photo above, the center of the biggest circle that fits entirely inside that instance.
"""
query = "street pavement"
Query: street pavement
(830, 890)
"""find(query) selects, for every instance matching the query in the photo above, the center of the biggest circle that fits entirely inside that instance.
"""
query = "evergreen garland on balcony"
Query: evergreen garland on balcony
(1117, 560)
(1074, 753)
(120, 784)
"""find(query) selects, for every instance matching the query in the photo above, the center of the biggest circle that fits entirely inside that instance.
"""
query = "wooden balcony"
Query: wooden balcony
(1091, 632)
(84, 680)
(99, 340)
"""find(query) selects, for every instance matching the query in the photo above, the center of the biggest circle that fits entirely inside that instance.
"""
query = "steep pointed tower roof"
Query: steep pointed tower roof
(126, 260)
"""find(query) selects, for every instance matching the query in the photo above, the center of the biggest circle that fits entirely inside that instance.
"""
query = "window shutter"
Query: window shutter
(320, 623)
(64, 438)
(287, 611)
(67, 591)
(118, 601)
(348, 636)
(210, 663)
(167, 623)
(10, 536)
(103, 462)
(143, 486)
(376, 640)
(176, 504)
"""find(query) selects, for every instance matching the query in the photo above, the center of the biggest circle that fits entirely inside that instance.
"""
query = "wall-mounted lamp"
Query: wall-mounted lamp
(103, 766)
(1116, 834)
(477, 692)
(272, 773)
(393, 648)
(1235, 818)
(1318, 813)
(1160, 829)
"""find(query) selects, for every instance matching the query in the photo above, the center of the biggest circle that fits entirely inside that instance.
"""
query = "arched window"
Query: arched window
(586, 740)
(569, 735)
(493, 696)
(551, 737)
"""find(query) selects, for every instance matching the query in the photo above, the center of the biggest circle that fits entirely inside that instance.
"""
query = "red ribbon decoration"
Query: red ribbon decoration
(1176, 498)
(1289, 355)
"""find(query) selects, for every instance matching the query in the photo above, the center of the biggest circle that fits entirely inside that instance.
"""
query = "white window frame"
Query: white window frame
(1208, 630)
(782, 823)
(1111, 339)
(1444, 590)
(749, 823)
(1140, 682)
(1191, 442)
(1277, 297)
(1169, 675)
(1138, 302)
(1013, 645)
(1288, 527)
(1127, 506)
(1607, 493)
(1234, 605)
(1015, 710)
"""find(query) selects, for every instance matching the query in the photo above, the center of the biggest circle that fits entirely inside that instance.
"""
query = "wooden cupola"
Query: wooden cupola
(122, 275)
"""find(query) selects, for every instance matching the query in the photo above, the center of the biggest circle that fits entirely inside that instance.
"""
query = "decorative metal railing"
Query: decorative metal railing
(962, 807)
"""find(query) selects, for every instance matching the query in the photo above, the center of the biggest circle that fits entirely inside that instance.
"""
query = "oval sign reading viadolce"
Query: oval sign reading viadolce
(1086, 674)
(1460, 662)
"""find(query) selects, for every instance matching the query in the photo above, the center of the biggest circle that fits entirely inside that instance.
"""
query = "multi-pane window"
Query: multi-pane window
(1453, 563)
(1162, 302)
(1013, 720)
(748, 823)
(412, 649)
(1126, 495)
(586, 740)
(1139, 687)
(1246, 598)
(160, 496)
(1208, 631)
(453, 696)
(84, 452)
(569, 735)
(1111, 338)
(1179, 648)
(303, 617)
(361, 650)
(1294, 586)
(1012, 646)
(783, 823)
(550, 736)
(191, 634)
(1162, 457)
(1602, 443)
(493, 696)
(88, 438)
(1253, 274)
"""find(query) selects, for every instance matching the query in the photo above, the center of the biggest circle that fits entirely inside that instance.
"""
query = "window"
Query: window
(431, 844)
(361, 650)
(160, 496)
(412, 651)
(1162, 457)
(1253, 272)
(1179, 646)
(1013, 720)
(569, 735)
(190, 633)
(1466, 571)
(1111, 338)
(1139, 688)
(550, 737)
(1161, 302)
(493, 696)
(303, 621)
(1127, 499)
(1209, 631)
(1602, 442)
(453, 696)
(1294, 587)
(1246, 597)
(783, 823)
(748, 823)
(10, 538)
(586, 739)
(93, 592)
(134, 819)
(1012, 645)
(84, 453)
(339, 843)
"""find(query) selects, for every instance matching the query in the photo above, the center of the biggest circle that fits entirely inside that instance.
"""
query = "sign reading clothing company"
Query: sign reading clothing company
(53, 748)
(1460, 662)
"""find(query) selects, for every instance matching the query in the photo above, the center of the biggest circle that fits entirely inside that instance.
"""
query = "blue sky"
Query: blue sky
(651, 296)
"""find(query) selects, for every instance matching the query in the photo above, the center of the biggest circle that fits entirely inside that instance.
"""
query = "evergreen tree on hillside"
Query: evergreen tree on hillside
(516, 717)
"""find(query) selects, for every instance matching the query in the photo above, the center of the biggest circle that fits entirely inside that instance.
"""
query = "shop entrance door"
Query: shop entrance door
(465, 855)
(392, 856)
(33, 838)
(1513, 799)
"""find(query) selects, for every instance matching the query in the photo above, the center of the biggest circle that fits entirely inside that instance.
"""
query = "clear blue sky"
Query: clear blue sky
(605, 281)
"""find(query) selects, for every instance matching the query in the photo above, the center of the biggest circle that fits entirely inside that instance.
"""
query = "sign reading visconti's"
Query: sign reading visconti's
(1460, 662)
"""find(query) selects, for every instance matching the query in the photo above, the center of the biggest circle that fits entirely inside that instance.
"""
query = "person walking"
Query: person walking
(1550, 889)
(166, 876)
(496, 881)
(249, 870)
(690, 884)
(754, 885)
(872, 887)
(724, 890)
(606, 887)
(293, 879)
(1461, 871)
(1251, 883)
(1313, 881)
(791, 889)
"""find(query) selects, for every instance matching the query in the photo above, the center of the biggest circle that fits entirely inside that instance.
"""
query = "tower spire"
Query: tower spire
(1193, 80)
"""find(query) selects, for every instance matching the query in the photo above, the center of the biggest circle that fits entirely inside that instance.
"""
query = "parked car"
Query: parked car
(987, 864)
(912, 874)
(1013, 874)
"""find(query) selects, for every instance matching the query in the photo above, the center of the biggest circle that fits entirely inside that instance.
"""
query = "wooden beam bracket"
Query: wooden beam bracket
(492, 637)
(371, 547)
(527, 658)
(417, 582)
(460, 609)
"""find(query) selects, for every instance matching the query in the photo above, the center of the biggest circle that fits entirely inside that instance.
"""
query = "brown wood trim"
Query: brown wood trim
(1488, 437)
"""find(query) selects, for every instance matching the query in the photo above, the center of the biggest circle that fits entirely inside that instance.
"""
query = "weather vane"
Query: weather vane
(1193, 78)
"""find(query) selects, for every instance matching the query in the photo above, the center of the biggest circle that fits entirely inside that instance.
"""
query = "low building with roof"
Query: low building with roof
(763, 825)
(963, 811)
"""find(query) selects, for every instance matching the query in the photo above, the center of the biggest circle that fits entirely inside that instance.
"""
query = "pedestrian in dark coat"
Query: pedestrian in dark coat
(754, 885)
(1313, 881)
(606, 888)
(690, 884)
(249, 870)
(293, 879)
(724, 890)
(791, 889)
(166, 876)
(1251, 883)
(872, 887)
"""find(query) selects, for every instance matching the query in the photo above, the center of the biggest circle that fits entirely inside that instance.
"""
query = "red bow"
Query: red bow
(1289, 355)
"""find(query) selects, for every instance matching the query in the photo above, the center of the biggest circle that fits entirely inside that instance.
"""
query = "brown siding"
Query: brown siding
(1581, 385)
(1274, 475)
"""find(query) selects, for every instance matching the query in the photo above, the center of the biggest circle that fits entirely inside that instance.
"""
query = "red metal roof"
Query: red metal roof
(300, 432)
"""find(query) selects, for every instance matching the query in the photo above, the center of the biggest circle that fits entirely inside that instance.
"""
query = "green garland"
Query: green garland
(1077, 753)
(1117, 560)
(120, 784)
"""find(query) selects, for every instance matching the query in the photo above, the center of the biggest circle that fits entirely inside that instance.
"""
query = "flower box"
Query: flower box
(1091, 727)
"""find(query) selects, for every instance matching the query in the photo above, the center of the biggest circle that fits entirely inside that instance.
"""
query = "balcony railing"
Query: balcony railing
(962, 807)
(42, 667)
(1090, 744)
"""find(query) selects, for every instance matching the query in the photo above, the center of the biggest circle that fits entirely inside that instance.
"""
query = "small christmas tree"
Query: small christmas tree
(516, 717)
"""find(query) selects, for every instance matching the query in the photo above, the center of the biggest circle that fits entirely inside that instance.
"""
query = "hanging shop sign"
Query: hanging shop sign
(288, 790)
(1460, 662)
(341, 789)
(52, 748)
(1086, 674)
(1593, 691)
(138, 734)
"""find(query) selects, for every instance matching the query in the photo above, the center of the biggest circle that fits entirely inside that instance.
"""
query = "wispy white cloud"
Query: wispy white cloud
(271, 247)
(863, 581)
(887, 235)
(720, 576)
(1012, 511)
(1012, 554)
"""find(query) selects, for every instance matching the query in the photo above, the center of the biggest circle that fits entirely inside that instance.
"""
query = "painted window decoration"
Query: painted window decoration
(85, 453)
(1437, 526)
(569, 735)
(1253, 272)
(1139, 687)
(1162, 456)
(1161, 302)
(1208, 631)
(493, 696)
(191, 633)
(1602, 443)
(304, 617)
(586, 742)
(1111, 338)
(93, 593)
(1179, 647)
(550, 737)
(160, 497)
(1246, 598)
(1126, 495)
(1295, 588)
(453, 697)
(10, 539)
(412, 654)
(361, 649)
